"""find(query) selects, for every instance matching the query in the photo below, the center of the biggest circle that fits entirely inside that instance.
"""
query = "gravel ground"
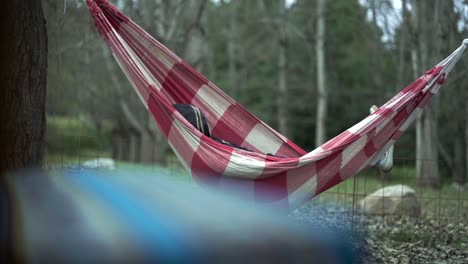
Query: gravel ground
(394, 239)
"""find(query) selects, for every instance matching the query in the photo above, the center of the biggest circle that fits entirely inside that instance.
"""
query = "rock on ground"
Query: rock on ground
(392, 200)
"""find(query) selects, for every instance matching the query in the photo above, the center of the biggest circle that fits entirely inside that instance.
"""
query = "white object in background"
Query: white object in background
(100, 163)
(392, 200)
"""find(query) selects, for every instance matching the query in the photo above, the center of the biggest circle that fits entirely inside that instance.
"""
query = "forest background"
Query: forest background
(310, 69)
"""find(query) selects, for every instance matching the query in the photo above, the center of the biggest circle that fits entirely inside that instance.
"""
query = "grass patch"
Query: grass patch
(174, 169)
(73, 137)
(442, 202)
(62, 160)
(175, 172)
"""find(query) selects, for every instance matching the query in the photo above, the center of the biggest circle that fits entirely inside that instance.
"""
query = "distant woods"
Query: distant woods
(311, 69)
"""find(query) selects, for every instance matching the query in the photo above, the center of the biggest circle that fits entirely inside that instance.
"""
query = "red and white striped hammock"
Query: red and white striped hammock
(162, 79)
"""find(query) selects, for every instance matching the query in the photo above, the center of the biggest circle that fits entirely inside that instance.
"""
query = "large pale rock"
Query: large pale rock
(459, 187)
(395, 199)
(100, 163)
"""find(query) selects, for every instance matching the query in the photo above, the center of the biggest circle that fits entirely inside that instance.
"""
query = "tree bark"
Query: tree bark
(416, 67)
(427, 158)
(23, 74)
(322, 95)
(232, 49)
(458, 163)
(466, 137)
(376, 55)
(429, 164)
(402, 44)
(282, 72)
(376, 65)
(159, 145)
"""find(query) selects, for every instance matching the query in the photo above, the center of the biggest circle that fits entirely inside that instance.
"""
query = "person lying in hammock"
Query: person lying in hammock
(196, 117)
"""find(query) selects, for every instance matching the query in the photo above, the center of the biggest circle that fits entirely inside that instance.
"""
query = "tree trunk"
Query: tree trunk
(428, 171)
(402, 44)
(159, 145)
(282, 85)
(133, 148)
(466, 137)
(232, 49)
(458, 163)
(416, 67)
(22, 96)
(118, 146)
(376, 55)
(427, 165)
(322, 96)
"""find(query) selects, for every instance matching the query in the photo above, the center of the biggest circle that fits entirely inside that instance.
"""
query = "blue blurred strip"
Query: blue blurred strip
(156, 234)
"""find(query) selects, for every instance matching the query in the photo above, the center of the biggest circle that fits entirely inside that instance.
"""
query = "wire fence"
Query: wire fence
(443, 207)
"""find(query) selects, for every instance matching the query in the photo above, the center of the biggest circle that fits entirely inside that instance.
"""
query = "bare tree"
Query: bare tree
(282, 72)
(376, 53)
(23, 74)
(322, 95)
(466, 137)
(465, 33)
(425, 29)
(402, 44)
(232, 49)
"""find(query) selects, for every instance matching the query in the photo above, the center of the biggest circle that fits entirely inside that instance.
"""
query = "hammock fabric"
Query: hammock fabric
(162, 79)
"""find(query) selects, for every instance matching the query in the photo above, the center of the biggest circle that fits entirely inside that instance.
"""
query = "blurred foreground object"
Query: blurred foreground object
(78, 216)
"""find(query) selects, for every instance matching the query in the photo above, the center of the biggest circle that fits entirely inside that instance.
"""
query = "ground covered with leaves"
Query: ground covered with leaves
(394, 239)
